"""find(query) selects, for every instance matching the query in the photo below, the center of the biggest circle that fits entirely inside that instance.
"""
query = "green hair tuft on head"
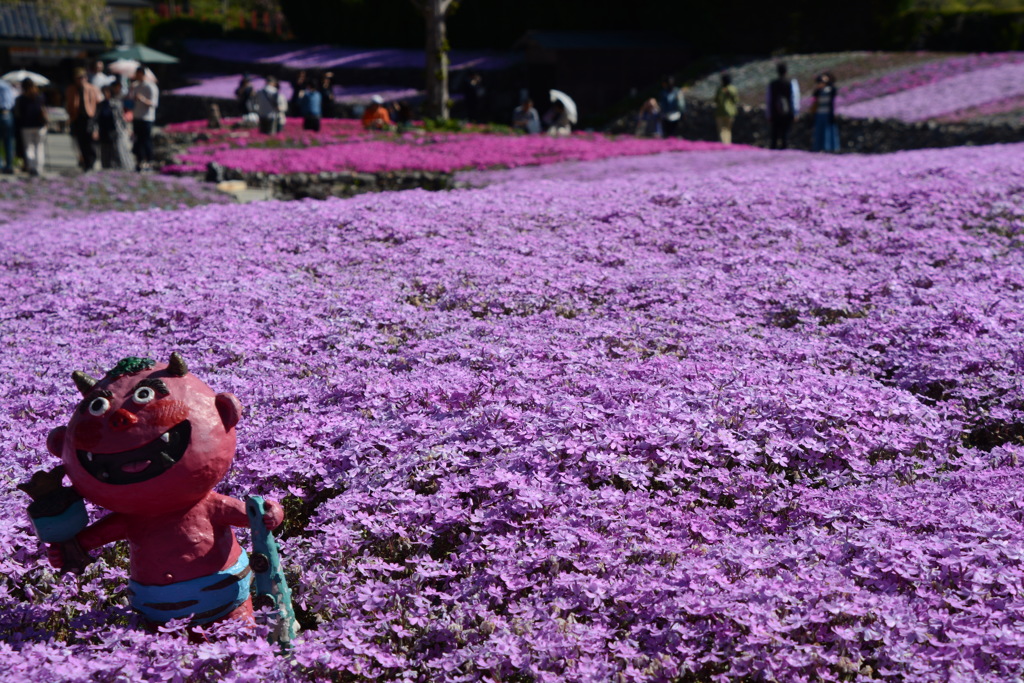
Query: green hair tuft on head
(129, 366)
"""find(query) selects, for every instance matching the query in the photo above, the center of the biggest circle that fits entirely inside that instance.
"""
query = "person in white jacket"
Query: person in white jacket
(271, 107)
(146, 97)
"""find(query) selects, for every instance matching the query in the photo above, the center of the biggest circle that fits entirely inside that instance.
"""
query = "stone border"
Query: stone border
(334, 184)
(864, 136)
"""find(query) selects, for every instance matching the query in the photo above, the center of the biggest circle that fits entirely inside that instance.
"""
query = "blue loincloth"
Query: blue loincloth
(205, 599)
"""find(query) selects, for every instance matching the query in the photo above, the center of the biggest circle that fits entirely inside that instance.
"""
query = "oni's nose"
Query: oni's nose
(122, 419)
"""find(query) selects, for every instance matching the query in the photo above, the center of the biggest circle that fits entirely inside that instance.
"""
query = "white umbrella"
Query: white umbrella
(123, 67)
(128, 67)
(570, 106)
(20, 75)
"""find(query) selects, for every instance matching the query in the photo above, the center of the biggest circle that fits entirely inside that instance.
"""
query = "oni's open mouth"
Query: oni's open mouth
(142, 463)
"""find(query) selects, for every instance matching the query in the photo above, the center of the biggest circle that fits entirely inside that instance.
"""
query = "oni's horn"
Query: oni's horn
(84, 382)
(177, 366)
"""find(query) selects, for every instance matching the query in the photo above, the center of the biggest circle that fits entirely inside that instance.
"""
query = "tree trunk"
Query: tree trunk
(434, 13)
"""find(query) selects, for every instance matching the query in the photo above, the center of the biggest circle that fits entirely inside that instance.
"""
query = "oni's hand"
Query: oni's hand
(273, 514)
(55, 554)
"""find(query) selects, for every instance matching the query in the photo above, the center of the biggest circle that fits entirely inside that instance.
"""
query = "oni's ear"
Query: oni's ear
(55, 440)
(230, 409)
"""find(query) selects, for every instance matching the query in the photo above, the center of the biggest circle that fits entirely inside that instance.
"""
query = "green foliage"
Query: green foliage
(168, 35)
(968, 5)
(249, 35)
(736, 26)
(793, 25)
(208, 19)
(500, 129)
(973, 31)
(185, 27)
(443, 125)
(721, 27)
(144, 20)
(130, 366)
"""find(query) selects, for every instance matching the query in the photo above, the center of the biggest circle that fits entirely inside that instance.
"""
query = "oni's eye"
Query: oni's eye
(144, 395)
(98, 406)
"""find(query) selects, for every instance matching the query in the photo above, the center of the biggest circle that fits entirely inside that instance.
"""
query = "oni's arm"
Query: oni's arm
(228, 510)
(113, 527)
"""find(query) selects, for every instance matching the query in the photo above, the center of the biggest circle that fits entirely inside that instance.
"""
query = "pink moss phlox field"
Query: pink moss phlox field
(920, 92)
(433, 152)
(36, 199)
(724, 415)
(1009, 107)
(948, 95)
(204, 140)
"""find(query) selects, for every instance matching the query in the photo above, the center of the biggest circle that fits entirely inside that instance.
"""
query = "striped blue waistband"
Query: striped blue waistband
(205, 599)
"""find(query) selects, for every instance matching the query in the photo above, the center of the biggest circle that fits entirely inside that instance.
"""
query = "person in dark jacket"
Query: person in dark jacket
(326, 89)
(298, 88)
(32, 119)
(310, 106)
(244, 94)
(114, 130)
(82, 102)
(472, 97)
(782, 106)
(826, 133)
(672, 104)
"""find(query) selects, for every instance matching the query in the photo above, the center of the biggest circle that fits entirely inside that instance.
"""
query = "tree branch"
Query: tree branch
(76, 15)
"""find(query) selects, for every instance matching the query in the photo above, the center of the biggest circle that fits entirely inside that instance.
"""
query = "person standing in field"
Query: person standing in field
(310, 106)
(557, 120)
(7, 99)
(82, 102)
(376, 116)
(115, 133)
(146, 97)
(32, 119)
(98, 78)
(648, 120)
(826, 133)
(271, 106)
(298, 90)
(401, 115)
(473, 97)
(525, 118)
(727, 104)
(672, 104)
(326, 89)
(244, 94)
(782, 106)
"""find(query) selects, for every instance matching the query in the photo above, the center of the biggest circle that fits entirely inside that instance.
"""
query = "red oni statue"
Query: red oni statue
(149, 442)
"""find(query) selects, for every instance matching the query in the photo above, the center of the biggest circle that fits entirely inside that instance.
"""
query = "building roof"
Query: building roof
(21, 22)
(299, 56)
